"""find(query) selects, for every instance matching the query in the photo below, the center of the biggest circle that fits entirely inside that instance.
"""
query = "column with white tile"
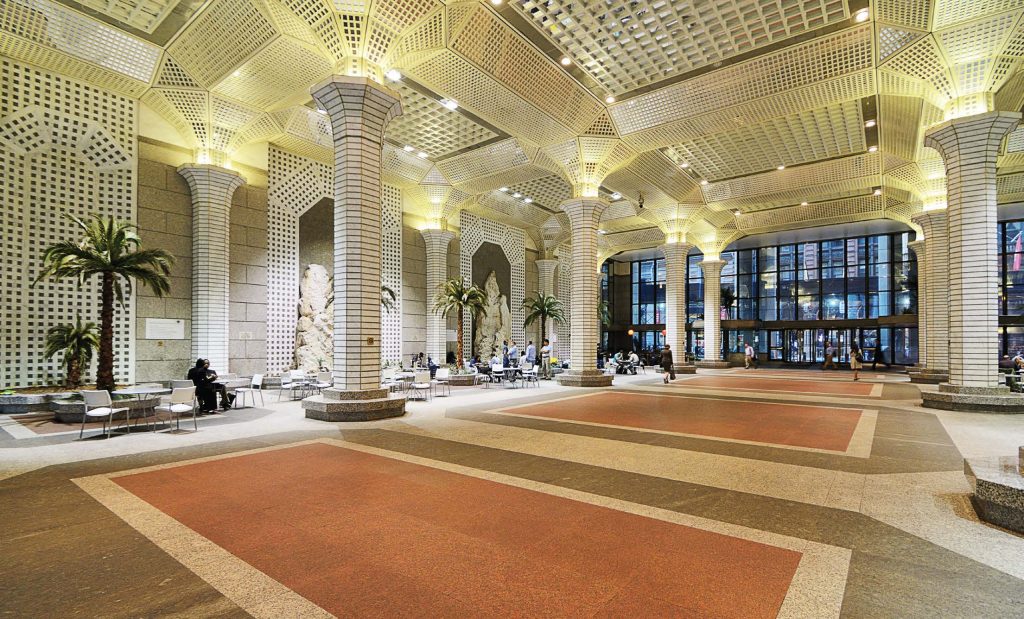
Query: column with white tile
(712, 268)
(212, 188)
(584, 216)
(920, 254)
(359, 110)
(675, 304)
(933, 286)
(436, 242)
(546, 283)
(969, 147)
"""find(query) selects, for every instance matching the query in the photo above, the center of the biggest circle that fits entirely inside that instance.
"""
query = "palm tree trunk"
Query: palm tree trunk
(105, 363)
(462, 362)
(74, 378)
(543, 329)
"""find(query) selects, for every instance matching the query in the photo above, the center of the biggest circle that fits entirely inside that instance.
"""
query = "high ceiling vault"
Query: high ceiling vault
(696, 119)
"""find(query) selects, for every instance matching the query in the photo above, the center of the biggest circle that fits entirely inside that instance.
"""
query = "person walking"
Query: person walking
(531, 354)
(667, 366)
(830, 357)
(856, 360)
(748, 356)
(545, 359)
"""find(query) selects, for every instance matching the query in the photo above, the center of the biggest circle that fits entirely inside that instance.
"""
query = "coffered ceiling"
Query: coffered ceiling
(723, 118)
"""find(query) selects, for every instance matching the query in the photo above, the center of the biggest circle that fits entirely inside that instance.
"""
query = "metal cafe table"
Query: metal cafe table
(140, 392)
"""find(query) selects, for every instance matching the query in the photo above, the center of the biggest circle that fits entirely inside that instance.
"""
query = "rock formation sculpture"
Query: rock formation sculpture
(495, 326)
(314, 333)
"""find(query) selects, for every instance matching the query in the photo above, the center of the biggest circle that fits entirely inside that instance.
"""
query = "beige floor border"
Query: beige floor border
(816, 589)
(859, 447)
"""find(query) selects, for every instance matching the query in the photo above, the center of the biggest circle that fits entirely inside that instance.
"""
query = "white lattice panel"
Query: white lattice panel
(145, 15)
(626, 44)
(433, 128)
(475, 231)
(282, 70)
(52, 25)
(391, 271)
(563, 290)
(221, 38)
(64, 146)
(483, 161)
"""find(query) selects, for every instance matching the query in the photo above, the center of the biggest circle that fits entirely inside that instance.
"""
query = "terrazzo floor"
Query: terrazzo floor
(730, 494)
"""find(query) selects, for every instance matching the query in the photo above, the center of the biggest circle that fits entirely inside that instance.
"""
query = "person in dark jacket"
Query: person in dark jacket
(205, 391)
(667, 366)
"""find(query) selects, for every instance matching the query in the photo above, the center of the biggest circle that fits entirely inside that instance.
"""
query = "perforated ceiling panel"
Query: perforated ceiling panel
(221, 39)
(625, 44)
(145, 15)
(433, 128)
(283, 70)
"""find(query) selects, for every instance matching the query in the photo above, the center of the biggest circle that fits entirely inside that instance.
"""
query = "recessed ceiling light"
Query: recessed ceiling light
(602, 232)
(870, 123)
(451, 104)
(421, 155)
(566, 61)
(872, 149)
(517, 195)
(495, 2)
(616, 196)
(236, 73)
(736, 212)
(684, 165)
(408, 148)
(878, 192)
(321, 110)
(703, 181)
(527, 200)
(393, 75)
(781, 167)
(804, 203)
(502, 188)
(609, 99)
(861, 15)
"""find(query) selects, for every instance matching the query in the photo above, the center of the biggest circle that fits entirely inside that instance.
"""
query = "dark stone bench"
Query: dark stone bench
(998, 485)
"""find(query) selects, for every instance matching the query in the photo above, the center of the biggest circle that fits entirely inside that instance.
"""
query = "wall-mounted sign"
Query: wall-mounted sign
(165, 329)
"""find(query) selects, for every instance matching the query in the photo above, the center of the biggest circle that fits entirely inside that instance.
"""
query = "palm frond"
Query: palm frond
(454, 294)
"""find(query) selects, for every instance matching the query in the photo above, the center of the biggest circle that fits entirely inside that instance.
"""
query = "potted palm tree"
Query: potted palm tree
(112, 250)
(455, 296)
(78, 342)
(543, 307)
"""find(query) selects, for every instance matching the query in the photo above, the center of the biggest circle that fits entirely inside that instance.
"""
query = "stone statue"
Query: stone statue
(495, 326)
(314, 333)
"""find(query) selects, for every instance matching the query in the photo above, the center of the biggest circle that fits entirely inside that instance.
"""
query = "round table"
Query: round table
(140, 392)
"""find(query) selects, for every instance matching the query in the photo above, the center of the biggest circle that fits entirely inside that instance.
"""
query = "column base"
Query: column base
(584, 378)
(685, 368)
(998, 490)
(360, 405)
(997, 400)
(717, 364)
(928, 376)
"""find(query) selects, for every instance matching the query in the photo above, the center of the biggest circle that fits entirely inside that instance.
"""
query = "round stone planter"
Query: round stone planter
(29, 403)
(72, 412)
(463, 380)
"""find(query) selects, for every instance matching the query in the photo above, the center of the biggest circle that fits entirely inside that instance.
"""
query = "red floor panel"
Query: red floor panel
(817, 427)
(821, 387)
(360, 534)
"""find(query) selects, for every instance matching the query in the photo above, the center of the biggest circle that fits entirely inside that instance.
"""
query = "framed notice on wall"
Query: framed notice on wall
(165, 329)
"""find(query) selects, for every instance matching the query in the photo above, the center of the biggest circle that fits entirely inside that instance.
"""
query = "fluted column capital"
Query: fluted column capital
(211, 182)
(932, 222)
(584, 210)
(712, 267)
(357, 106)
(977, 134)
(917, 246)
(437, 240)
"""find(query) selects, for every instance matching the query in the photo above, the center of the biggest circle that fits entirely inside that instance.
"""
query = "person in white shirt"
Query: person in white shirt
(748, 356)
(545, 360)
(634, 361)
(531, 354)
(513, 354)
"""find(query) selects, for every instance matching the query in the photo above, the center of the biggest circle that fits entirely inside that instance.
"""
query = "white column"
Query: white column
(918, 247)
(584, 216)
(546, 275)
(360, 111)
(712, 268)
(212, 188)
(969, 147)
(437, 272)
(675, 301)
(936, 294)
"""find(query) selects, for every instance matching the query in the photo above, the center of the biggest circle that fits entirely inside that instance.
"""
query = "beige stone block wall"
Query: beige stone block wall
(247, 326)
(414, 293)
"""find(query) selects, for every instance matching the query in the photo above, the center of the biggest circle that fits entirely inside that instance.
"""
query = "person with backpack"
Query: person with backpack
(856, 360)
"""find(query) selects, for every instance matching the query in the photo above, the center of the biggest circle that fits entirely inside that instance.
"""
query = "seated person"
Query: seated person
(634, 361)
(496, 360)
(1018, 363)
(432, 366)
(207, 388)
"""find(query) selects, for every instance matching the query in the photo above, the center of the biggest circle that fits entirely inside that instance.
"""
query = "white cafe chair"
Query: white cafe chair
(183, 400)
(255, 386)
(99, 406)
(442, 379)
(324, 380)
(420, 387)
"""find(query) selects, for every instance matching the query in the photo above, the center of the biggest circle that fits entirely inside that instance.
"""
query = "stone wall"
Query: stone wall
(165, 222)
(414, 293)
(247, 326)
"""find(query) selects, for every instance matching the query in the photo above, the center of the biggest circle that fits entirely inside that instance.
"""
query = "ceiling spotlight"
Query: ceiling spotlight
(527, 200)
(320, 110)
(736, 212)
(804, 203)
(408, 148)
(602, 232)
(684, 165)
(236, 73)
(870, 123)
(451, 104)
(495, 2)
(502, 188)
(421, 155)
(566, 61)
(616, 196)
(861, 15)
(517, 195)
(872, 149)
(781, 167)
(703, 181)
(878, 192)
(609, 99)
(393, 75)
